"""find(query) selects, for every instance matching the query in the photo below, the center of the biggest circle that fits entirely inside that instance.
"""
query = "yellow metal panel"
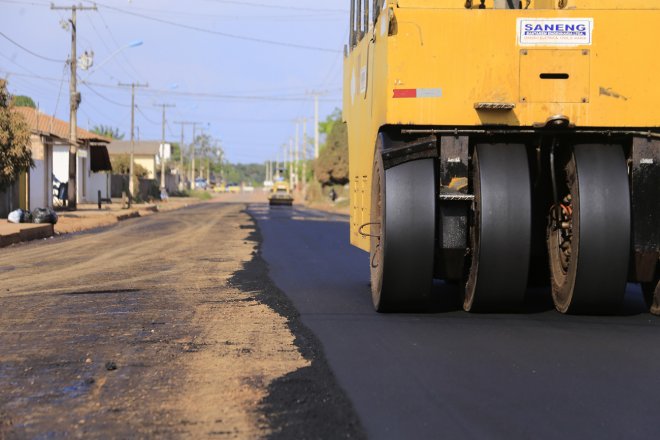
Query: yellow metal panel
(554, 75)
(535, 4)
(474, 56)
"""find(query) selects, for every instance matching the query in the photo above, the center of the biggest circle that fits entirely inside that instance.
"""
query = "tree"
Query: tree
(332, 165)
(23, 101)
(15, 154)
(121, 164)
(108, 131)
(325, 127)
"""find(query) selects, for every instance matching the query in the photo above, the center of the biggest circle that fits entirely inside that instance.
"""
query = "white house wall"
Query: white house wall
(40, 185)
(97, 182)
(61, 162)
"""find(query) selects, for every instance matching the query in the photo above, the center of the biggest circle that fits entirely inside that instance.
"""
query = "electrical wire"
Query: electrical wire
(52, 60)
(103, 97)
(106, 45)
(151, 121)
(278, 7)
(59, 92)
(222, 34)
(121, 55)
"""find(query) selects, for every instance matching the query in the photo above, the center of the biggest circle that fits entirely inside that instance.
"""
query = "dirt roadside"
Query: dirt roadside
(162, 327)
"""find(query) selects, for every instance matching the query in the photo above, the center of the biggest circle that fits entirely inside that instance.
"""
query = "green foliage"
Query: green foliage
(15, 154)
(332, 165)
(176, 151)
(107, 131)
(251, 174)
(121, 165)
(325, 127)
(201, 194)
(23, 101)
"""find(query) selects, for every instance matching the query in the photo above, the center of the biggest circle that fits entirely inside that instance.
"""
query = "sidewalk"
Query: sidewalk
(87, 216)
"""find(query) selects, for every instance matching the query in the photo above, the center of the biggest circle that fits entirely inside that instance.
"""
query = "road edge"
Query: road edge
(307, 403)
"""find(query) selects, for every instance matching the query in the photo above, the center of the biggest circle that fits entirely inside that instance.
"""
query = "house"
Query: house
(50, 152)
(145, 153)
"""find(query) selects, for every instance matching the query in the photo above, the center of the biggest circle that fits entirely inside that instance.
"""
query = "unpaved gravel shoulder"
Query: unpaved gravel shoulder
(308, 402)
(162, 327)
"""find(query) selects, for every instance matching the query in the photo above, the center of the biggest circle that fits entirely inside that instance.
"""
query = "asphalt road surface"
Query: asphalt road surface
(450, 374)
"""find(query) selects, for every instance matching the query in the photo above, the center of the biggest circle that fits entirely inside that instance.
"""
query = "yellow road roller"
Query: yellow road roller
(280, 194)
(502, 143)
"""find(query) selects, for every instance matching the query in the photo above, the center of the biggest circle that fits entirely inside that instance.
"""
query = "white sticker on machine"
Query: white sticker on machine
(555, 31)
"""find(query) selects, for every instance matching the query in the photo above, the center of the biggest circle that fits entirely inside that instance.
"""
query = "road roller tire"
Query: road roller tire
(402, 233)
(500, 233)
(589, 258)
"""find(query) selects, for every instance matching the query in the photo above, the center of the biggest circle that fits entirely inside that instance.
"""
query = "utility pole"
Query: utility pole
(297, 157)
(304, 158)
(316, 95)
(131, 185)
(74, 103)
(162, 147)
(291, 163)
(192, 148)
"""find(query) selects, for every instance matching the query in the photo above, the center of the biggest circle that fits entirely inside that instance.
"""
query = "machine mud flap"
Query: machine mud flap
(645, 184)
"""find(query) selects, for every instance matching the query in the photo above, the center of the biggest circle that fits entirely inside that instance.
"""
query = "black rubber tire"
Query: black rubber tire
(594, 278)
(402, 233)
(501, 229)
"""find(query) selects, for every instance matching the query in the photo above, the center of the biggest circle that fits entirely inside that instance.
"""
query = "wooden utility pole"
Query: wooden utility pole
(162, 147)
(192, 148)
(304, 158)
(297, 157)
(131, 172)
(316, 95)
(74, 103)
(291, 163)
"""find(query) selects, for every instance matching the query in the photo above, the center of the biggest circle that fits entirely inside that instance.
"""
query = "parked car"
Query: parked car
(200, 183)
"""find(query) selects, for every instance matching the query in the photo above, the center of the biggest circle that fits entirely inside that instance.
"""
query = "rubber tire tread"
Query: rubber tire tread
(500, 259)
(597, 282)
(407, 236)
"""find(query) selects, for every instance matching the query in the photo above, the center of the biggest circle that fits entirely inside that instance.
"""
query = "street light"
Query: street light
(132, 44)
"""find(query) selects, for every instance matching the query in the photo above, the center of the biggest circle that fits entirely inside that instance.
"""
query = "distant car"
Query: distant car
(280, 194)
(200, 183)
(248, 188)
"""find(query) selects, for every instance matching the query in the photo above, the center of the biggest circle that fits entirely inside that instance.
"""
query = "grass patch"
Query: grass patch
(201, 194)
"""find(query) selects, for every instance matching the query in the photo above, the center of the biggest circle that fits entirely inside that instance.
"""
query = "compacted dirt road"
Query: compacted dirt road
(161, 327)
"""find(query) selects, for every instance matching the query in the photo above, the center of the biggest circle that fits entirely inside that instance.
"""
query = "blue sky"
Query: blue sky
(245, 93)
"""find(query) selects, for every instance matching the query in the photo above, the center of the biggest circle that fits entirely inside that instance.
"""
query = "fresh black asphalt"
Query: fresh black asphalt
(451, 374)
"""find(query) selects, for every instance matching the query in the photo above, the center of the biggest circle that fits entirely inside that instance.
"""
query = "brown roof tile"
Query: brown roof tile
(44, 123)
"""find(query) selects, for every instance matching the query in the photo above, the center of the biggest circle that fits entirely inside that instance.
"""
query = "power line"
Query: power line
(29, 51)
(112, 36)
(103, 97)
(222, 34)
(151, 121)
(107, 46)
(22, 3)
(278, 7)
(213, 96)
